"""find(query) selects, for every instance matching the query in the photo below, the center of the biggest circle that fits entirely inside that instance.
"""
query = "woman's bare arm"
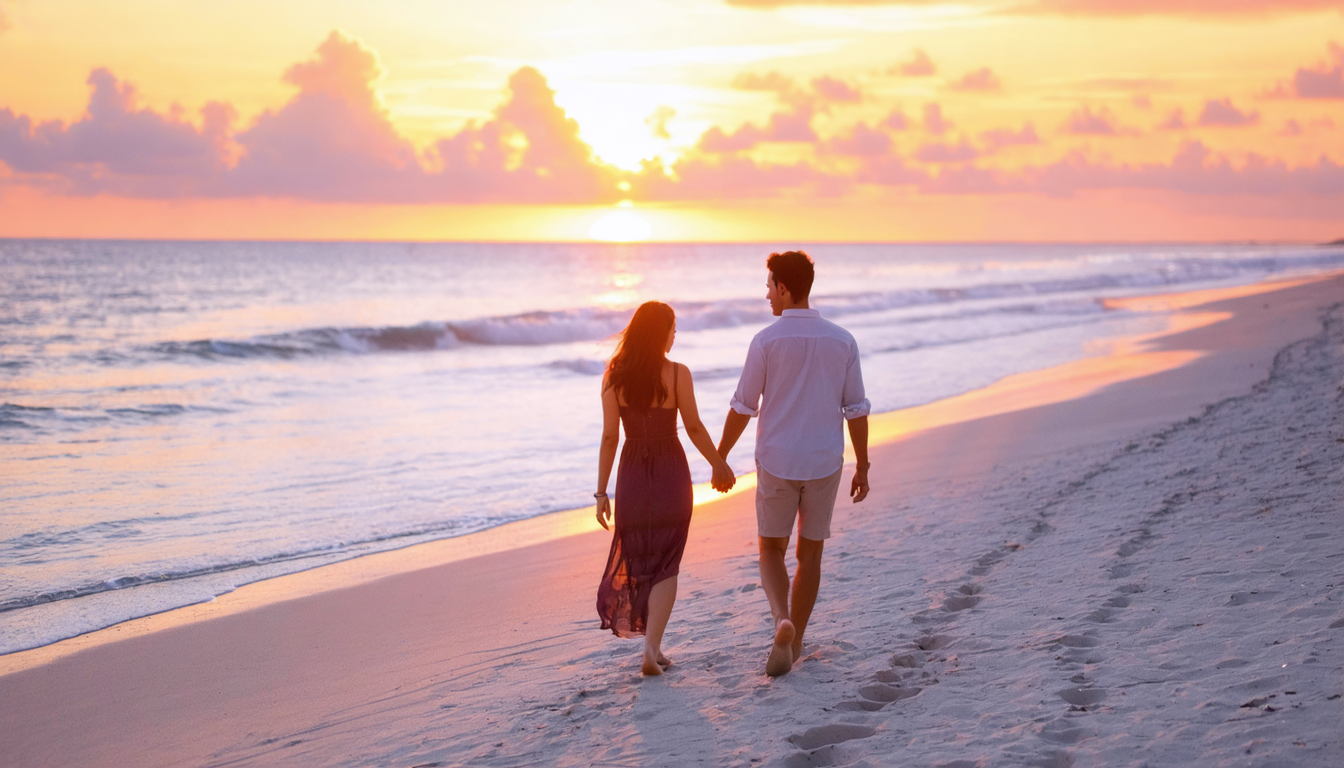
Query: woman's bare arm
(723, 478)
(606, 454)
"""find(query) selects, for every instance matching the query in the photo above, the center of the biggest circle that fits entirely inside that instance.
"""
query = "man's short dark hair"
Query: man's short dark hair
(792, 269)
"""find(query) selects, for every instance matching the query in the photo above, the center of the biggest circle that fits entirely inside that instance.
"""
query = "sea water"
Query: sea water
(180, 418)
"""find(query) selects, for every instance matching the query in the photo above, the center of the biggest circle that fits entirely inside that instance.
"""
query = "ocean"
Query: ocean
(181, 418)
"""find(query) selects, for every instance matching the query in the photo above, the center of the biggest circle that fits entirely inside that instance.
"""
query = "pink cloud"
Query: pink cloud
(1175, 121)
(1221, 112)
(116, 147)
(530, 151)
(795, 126)
(838, 91)
(895, 120)
(1194, 170)
(946, 153)
(918, 65)
(1085, 122)
(861, 141)
(981, 80)
(1324, 81)
(333, 141)
(998, 138)
(697, 176)
(934, 122)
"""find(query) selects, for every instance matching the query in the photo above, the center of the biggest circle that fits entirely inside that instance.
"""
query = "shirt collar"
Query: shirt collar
(800, 313)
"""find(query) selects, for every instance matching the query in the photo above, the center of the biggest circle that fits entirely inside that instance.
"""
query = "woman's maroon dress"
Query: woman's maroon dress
(652, 516)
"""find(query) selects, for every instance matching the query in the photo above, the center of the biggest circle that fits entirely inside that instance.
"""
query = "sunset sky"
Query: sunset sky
(707, 119)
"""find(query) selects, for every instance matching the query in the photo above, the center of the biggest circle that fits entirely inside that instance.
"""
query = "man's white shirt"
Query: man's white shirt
(801, 380)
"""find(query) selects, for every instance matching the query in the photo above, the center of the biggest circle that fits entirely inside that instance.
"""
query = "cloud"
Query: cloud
(116, 147)
(657, 121)
(981, 80)
(1220, 112)
(934, 122)
(698, 176)
(1111, 8)
(830, 89)
(946, 153)
(792, 126)
(530, 151)
(895, 120)
(824, 90)
(999, 138)
(1085, 122)
(333, 141)
(1324, 81)
(861, 141)
(918, 65)
(1175, 121)
(1193, 170)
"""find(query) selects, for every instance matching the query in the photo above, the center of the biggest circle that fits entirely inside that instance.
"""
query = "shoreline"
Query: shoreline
(1126, 359)
(1036, 586)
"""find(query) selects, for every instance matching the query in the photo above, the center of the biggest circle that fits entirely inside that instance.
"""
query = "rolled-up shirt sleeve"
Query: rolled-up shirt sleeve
(747, 399)
(853, 402)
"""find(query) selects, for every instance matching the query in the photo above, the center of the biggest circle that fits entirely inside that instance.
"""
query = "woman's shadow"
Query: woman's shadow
(671, 726)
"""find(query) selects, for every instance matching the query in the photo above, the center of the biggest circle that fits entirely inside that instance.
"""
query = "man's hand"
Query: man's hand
(858, 487)
(724, 479)
(603, 513)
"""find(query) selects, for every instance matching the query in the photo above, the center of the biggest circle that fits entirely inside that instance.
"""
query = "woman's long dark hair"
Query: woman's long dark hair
(636, 368)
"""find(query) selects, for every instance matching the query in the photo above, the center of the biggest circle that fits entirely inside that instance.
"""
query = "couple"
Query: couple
(801, 379)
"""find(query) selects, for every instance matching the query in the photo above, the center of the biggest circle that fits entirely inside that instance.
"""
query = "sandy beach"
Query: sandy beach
(1135, 559)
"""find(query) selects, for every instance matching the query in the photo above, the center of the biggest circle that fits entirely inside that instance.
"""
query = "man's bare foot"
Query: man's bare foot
(780, 660)
(797, 647)
(663, 661)
(650, 667)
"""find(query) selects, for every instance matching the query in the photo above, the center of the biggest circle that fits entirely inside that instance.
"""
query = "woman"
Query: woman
(645, 390)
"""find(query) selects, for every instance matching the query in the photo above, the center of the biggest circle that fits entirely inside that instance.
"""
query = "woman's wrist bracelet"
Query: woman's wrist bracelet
(600, 495)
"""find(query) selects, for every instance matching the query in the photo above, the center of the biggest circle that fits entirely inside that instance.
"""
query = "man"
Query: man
(802, 379)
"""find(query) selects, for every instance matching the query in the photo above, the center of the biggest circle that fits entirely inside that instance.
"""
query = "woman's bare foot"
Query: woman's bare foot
(780, 660)
(651, 667)
(663, 661)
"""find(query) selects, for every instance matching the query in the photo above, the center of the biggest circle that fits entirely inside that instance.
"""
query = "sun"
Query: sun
(620, 227)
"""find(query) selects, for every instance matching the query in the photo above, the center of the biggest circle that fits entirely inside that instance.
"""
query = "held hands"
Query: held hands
(723, 479)
(603, 512)
(858, 487)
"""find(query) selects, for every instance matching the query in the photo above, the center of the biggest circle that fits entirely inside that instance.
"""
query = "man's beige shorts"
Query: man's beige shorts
(779, 501)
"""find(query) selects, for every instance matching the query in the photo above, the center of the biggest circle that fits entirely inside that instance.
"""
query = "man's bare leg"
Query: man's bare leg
(775, 582)
(806, 582)
(661, 598)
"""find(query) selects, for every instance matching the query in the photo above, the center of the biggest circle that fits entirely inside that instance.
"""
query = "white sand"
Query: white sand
(1086, 583)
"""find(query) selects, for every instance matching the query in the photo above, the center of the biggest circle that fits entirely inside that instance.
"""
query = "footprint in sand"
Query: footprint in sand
(1121, 571)
(885, 694)
(910, 660)
(1062, 731)
(967, 596)
(828, 735)
(933, 642)
(1083, 697)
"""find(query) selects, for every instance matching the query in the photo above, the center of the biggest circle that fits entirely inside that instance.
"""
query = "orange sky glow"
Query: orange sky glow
(768, 120)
